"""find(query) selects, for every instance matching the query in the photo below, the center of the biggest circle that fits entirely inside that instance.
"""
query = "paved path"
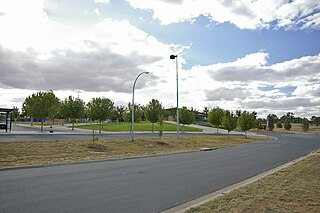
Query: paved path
(149, 184)
(22, 132)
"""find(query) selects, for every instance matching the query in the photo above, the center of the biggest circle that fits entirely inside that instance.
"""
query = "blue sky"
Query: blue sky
(259, 55)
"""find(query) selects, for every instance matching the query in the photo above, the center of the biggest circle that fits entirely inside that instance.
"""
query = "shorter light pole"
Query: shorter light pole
(132, 106)
(177, 78)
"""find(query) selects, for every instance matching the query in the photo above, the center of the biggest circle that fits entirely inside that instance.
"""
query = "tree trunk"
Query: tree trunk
(152, 126)
(100, 127)
(217, 130)
(72, 124)
(228, 135)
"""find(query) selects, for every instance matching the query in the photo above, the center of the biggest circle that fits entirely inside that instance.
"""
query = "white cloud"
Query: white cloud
(97, 12)
(234, 85)
(244, 14)
(102, 1)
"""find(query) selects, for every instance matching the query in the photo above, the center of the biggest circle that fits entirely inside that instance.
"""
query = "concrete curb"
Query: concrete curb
(214, 195)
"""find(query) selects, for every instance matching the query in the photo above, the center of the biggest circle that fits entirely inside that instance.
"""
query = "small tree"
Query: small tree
(305, 125)
(229, 121)
(160, 121)
(186, 116)
(154, 111)
(287, 125)
(271, 119)
(215, 117)
(100, 109)
(279, 125)
(119, 112)
(72, 108)
(246, 121)
(41, 105)
(138, 112)
(15, 114)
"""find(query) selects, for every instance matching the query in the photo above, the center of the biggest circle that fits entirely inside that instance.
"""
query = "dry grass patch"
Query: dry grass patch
(294, 189)
(295, 129)
(51, 152)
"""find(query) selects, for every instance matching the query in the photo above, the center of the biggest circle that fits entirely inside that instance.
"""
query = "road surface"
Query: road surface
(149, 184)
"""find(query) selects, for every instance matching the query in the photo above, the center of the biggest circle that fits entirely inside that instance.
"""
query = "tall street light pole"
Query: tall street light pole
(177, 77)
(132, 106)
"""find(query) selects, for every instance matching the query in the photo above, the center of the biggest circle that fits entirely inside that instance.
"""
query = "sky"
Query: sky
(252, 55)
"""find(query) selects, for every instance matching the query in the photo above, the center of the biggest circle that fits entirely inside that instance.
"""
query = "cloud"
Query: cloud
(300, 14)
(102, 1)
(227, 94)
(286, 102)
(97, 70)
(97, 11)
(293, 70)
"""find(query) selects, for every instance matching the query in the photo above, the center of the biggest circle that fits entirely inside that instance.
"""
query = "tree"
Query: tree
(215, 117)
(15, 114)
(246, 121)
(305, 125)
(229, 121)
(316, 121)
(120, 111)
(279, 125)
(206, 111)
(100, 109)
(41, 105)
(287, 124)
(72, 108)
(138, 113)
(271, 119)
(154, 111)
(186, 116)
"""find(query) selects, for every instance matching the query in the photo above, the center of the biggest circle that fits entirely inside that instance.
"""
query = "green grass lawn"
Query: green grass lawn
(293, 189)
(142, 126)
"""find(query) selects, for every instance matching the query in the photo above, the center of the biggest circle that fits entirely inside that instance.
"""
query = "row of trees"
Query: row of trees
(286, 121)
(230, 121)
(43, 105)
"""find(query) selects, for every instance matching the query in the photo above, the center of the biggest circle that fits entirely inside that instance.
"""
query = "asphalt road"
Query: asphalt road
(147, 184)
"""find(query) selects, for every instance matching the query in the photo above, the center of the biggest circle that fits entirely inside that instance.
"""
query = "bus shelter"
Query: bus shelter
(6, 119)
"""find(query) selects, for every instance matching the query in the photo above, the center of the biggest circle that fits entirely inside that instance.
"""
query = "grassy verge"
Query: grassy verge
(51, 152)
(294, 189)
(295, 129)
(142, 126)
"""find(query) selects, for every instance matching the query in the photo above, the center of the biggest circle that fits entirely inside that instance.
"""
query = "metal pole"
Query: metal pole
(177, 97)
(132, 106)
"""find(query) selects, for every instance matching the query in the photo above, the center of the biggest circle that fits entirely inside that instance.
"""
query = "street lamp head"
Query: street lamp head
(146, 73)
(173, 56)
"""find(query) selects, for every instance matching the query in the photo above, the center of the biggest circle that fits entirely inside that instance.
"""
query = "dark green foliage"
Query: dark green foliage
(279, 124)
(271, 119)
(305, 125)
(41, 105)
(287, 125)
